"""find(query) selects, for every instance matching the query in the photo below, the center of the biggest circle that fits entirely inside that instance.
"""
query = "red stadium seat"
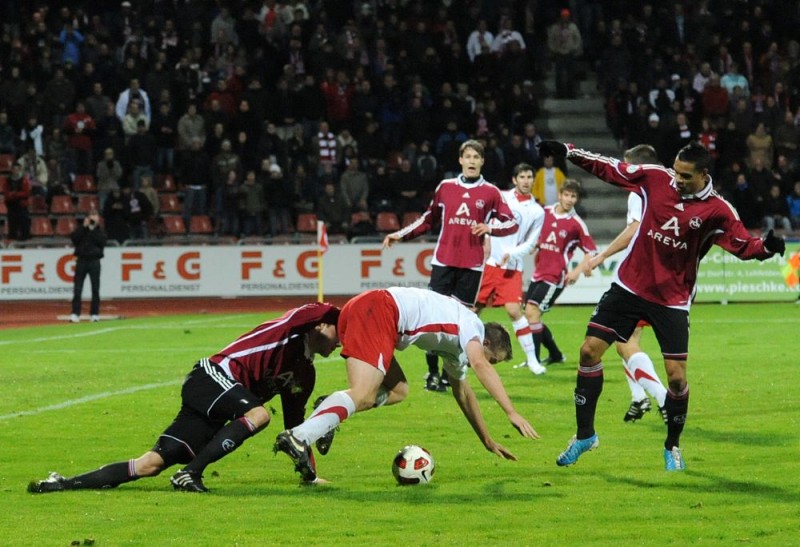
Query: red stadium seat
(387, 222)
(87, 202)
(41, 226)
(165, 183)
(65, 226)
(6, 161)
(62, 205)
(37, 205)
(409, 217)
(307, 223)
(168, 203)
(84, 184)
(173, 225)
(201, 224)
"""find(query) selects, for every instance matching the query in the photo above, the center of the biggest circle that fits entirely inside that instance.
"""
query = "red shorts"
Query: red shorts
(367, 328)
(505, 285)
(642, 323)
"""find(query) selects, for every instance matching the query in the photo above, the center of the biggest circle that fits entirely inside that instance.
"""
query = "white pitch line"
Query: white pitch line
(106, 394)
(88, 398)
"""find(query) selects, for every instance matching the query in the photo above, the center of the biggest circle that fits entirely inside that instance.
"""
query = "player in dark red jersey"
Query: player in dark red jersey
(463, 206)
(223, 398)
(562, 232)
(682, 216)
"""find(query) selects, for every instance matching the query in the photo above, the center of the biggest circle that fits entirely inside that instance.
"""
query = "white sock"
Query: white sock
(335, 409)
(523, 331)
(637, 391)
(642, 369)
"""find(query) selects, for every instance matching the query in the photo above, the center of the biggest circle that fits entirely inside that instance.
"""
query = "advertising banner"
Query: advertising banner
(233, 271)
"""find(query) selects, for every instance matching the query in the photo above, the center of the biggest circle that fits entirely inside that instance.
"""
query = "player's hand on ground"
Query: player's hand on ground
(480, 229)
(774, 244)
(501, 451)
(553, 148)
(523, 426)
(390, 240)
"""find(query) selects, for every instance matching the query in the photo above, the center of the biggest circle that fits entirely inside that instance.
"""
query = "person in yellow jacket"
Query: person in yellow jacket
(547, 182)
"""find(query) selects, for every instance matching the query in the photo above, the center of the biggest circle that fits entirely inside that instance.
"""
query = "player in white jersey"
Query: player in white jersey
(376, 323)
(502, 275)
(639, 369)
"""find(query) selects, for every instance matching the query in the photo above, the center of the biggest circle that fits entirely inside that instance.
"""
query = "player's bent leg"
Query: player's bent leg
(107, 476)
(149, 464)
(394, 388)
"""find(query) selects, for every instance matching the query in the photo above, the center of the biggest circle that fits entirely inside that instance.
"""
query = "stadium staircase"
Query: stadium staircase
(582, 121)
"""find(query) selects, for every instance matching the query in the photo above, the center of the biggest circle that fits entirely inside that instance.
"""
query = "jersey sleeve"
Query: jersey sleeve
(505, 224)
(634, 208)
(611, 170)
(735, 239)
(425, 223)
(295, 397)
(529, 243)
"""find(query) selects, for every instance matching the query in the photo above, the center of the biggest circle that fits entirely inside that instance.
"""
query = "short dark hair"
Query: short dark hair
(641, 153)
(498, 338)
(472, 143)
(695, 153)
(522, 167)
(571, 185)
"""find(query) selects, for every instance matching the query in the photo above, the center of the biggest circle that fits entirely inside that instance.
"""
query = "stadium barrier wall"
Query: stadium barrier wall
(282, 270)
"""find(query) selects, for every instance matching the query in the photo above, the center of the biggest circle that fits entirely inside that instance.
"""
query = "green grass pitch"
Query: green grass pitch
(78, 396)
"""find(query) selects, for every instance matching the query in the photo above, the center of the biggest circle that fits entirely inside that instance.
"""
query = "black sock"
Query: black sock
(433, 363)
(536, 332)
(227, 439)
(549, 342)
(677, 406)
(587, 391)
(108, 476)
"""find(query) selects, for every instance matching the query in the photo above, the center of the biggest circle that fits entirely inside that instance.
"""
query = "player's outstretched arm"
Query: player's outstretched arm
(465, 397)
(494, 385)
(390, 240)
(619, 243)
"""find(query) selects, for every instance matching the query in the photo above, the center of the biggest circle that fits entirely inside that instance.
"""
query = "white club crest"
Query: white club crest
(695, 223)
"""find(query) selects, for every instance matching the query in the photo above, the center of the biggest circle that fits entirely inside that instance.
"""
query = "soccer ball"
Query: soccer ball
(413, 465)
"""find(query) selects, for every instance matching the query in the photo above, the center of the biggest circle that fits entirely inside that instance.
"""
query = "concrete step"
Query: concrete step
(592, 105)
(571, 122)
(587, 86)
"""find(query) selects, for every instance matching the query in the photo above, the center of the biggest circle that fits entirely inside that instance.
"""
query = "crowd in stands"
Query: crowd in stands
(235, 118)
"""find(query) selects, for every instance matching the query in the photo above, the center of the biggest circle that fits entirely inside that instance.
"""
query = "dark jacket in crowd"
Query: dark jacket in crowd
(89, 243)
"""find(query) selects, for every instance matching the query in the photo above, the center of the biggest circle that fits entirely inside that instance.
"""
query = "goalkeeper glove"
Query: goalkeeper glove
(774, 244)
(553, 148)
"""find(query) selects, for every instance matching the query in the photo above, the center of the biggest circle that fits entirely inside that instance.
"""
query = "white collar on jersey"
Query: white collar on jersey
(703, 194)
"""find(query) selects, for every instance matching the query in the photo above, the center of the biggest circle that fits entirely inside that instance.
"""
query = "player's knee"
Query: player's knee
(589, 354)
(398, 393)
(171, 452)
(149, 464)
(259, 417)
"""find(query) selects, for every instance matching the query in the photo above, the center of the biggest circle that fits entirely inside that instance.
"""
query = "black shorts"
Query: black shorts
(543, 294)
(210, 399)
(460, 283)
(618, 312)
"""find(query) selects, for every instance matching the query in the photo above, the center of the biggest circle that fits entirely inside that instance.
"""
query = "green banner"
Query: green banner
(724, 278)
